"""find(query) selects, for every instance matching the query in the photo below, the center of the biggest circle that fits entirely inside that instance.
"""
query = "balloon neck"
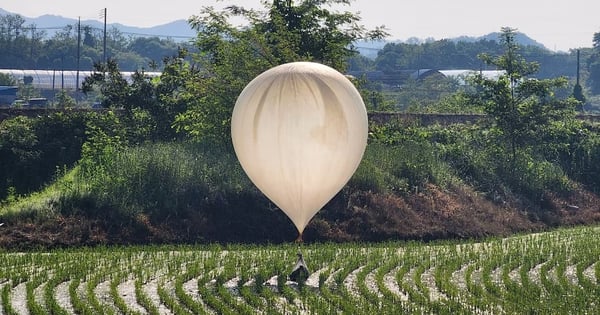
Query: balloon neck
(299, 239)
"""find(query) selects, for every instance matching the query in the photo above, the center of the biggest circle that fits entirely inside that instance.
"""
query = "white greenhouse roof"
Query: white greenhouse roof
(462, 74)
(58, 79)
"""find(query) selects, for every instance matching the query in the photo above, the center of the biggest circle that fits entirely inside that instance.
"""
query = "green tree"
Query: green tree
(108, 79)
(88, 37)
(594, 66)
(523, 110)
(229, 57)
(7, 79)
(150, 104)
(19, 154)
(64, 100)
(153, 49)
(578, 94)
(12, 40)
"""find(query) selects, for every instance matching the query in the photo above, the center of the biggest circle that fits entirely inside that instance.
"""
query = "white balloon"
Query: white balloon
(299, 131)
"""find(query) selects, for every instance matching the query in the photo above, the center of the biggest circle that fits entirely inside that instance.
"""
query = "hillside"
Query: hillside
(435, 213)
(413, 184)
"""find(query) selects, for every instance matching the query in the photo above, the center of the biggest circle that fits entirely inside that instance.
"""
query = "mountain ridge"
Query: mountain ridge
(178, 29)
(181, 30)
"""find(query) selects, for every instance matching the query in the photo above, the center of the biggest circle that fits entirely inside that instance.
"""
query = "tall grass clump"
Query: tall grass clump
(536, 176)
(401, 165)
(481, 160)
(161, 179)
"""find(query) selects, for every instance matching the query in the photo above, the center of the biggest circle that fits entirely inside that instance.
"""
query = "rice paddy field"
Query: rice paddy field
(548, 273)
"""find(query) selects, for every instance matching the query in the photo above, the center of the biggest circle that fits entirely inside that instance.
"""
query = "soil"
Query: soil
(432, 213)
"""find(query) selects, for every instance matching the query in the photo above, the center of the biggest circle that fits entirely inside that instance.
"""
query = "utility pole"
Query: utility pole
(104, 41)
(31, 46)
(78, 58)
(577, 66)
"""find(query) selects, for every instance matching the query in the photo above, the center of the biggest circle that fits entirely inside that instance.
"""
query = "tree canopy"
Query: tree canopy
(229, 56)
(524, 110)
(25, 46)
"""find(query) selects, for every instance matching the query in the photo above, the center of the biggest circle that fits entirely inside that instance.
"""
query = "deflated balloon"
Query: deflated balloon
(299, 131)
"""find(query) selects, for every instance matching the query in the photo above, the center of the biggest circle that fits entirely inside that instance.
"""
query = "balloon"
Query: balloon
(299, 131)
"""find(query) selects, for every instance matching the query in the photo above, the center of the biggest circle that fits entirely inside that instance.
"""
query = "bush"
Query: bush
(161, 179)
(31, 149)
(400, 167)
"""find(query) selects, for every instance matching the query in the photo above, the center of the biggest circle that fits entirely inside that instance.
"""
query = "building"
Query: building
(58, 79)
(50, 82)
(8, 94)
(399, 77)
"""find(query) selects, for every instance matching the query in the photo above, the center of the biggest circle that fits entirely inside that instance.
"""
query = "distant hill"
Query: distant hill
(521, 39)
(369, 49)
(180, 30)
(177, 30)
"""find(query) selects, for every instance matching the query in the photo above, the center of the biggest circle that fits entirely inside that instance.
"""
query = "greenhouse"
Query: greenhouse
(57, 79)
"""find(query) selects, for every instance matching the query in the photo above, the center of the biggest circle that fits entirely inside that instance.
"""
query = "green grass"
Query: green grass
(180, 180)
(556, 273)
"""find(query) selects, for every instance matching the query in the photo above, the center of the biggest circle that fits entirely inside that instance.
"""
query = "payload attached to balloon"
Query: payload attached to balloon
(299, 131)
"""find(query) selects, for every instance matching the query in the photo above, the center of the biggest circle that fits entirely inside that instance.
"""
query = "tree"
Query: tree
(578, 94)
(88, 37)
(148, 103)
(19, 43)
(594, 66)
(18, 154)
(229, 57)
(7, 79)
(523, 110)
(63, 100)
(153, 49)
(111, 84)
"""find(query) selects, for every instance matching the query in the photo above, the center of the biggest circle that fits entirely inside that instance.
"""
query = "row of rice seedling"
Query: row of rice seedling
(554, 272)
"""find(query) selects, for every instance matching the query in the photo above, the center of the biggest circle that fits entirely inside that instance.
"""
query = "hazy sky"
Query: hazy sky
(560, 25)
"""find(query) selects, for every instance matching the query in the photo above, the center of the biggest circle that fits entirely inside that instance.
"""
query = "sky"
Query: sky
(559, 25)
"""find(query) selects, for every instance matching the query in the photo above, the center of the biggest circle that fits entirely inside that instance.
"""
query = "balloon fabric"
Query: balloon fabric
(299, 131)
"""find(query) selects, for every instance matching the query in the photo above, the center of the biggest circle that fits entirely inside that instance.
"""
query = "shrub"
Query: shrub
(161, 179)
(400, 167)
(31, 149)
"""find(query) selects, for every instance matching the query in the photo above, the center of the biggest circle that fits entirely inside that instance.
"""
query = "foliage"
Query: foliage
(150, 104)
(374, 99)
(450, 54)
(442, 54)
(401, 168)
(522, 109)
(129, 170)
(25, 46)
(171, 182)
(111, 84)
(469, 153)
(32, 149)
(229, 57)
(7, 79)
(26, 91)
(423, 95)
(163, 180)
(581, 156)
(455, 103)
(19, 153)
(105, 137)
(63, 100)
(593, 65)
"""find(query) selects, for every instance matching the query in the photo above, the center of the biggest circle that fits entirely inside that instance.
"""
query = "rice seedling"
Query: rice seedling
(548, 272)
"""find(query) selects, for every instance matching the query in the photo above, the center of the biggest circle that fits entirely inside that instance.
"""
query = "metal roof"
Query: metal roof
(58, 79)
